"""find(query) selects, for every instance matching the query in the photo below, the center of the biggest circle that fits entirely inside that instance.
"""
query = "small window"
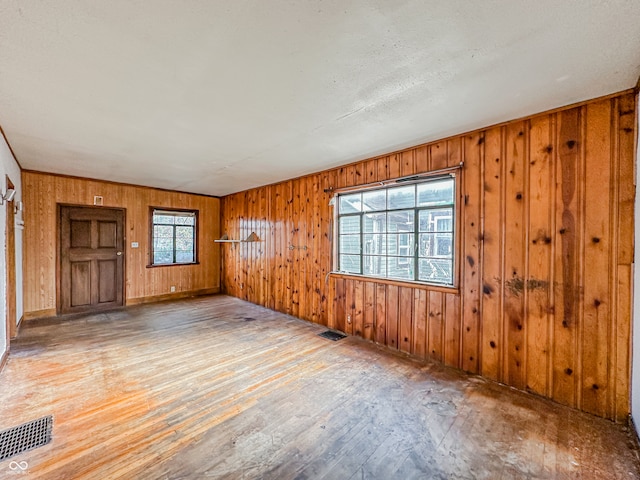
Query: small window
(399, 232)
(173, 237)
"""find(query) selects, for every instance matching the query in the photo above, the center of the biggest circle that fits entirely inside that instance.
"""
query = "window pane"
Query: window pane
(375, 200)
(350, 203)
(400, 244)
(436, 245)
(401, 197)
(439, 192)
(162, 231)
(184, 244)
(437, 270)
(184, 256)
(376, 266)
(400, 267)
(402, 221)
(162, 239)
(161, 244)
(436, 220)
(375, 244)
(375, 222)
(350, 224)
(350, 263)
(185, 220)
(165, 219)
(350, 244)
(162, 257)
(184, 232)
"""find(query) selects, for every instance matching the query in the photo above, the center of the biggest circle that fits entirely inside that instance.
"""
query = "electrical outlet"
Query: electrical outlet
(173, 288)
(348, 318)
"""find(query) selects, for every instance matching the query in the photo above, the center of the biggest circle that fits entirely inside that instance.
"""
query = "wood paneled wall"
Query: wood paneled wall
(546, 233)
(42, 192)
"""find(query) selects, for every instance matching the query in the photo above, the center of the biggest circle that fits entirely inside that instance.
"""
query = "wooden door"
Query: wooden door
(91, 259)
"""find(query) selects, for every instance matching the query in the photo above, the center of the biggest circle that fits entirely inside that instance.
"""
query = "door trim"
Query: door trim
(10, 288)
(59, 207)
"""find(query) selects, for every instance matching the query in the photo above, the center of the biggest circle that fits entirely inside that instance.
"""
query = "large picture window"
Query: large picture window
(400, 232)
(173, 237)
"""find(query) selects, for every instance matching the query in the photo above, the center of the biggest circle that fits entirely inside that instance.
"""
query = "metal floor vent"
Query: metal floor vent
(25, 437)
(331, 335)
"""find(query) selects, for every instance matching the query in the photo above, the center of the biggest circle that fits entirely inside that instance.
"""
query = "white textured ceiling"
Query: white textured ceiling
(216, 97)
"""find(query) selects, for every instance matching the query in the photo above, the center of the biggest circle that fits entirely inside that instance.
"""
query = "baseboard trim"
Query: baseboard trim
(47, 312)
(634, 430)
(172, 296)
(4, 358)
(51, 312)
(18, 325)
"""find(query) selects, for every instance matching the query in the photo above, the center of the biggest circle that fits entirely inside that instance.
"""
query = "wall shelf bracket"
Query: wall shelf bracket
(251, 238)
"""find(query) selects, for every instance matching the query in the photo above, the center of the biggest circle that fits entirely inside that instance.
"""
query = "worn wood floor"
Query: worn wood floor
(218, 388)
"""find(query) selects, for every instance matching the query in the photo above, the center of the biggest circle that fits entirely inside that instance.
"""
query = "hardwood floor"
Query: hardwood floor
(215, 387)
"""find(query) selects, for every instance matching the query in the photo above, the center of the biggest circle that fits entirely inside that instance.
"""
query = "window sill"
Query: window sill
(157, 265)
(433, 287)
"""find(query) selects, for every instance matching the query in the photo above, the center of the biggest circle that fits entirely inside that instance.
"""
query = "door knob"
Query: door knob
(118, 253)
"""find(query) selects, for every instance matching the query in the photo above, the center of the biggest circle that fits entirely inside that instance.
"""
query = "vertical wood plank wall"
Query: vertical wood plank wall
(43, 191)
(546, 252)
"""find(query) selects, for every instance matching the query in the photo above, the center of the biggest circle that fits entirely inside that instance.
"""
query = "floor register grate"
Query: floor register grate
(25, 437)
(331, 335)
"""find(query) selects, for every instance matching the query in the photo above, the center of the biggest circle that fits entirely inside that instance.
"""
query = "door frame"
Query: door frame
(11, 297)
(59, 207)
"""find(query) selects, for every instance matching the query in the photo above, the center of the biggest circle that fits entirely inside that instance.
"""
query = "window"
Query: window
(403, 232)
(173, 237)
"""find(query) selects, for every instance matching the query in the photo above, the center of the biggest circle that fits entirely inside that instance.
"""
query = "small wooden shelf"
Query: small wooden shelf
(251, 238)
